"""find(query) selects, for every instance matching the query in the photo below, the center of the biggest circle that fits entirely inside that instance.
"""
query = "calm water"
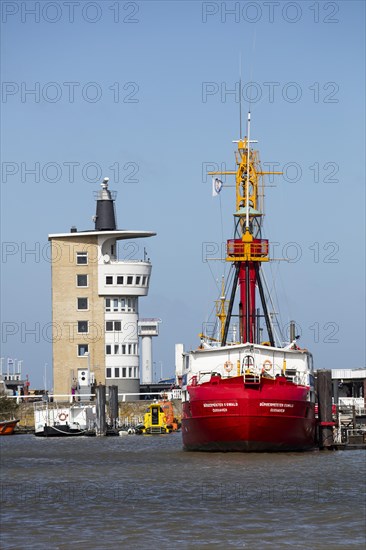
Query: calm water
(143, 492)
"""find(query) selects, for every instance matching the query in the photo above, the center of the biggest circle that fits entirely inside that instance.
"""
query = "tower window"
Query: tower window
(116, 372)
(109, 280)
(108, 350)
(120, 279)
(129, 280)
(81, 258)
(120, 304)
(82, 280)
(108, 372)
(138, 279)
(83, 349)
(83, 326)
(82, 303)
(110, 326)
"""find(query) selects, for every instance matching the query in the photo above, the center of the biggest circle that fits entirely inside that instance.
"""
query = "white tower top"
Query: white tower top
(149, 327)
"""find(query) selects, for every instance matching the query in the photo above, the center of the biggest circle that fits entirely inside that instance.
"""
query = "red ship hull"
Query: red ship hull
(233, 415)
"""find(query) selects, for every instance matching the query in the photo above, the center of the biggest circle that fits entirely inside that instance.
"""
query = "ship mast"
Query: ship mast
(247, 250)
(221, 307)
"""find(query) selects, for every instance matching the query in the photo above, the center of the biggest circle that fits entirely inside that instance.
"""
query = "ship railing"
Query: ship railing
(299, 378)
(352, 436)
(204, 374)
(129, 261)
(347, 410)
(175, 393)
(347, 403)
(251, 378)
(57, 400)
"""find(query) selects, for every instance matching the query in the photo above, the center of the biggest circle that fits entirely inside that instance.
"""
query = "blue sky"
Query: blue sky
(145, 87)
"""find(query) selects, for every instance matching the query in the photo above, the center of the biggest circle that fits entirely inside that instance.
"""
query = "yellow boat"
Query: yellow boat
(155, 421)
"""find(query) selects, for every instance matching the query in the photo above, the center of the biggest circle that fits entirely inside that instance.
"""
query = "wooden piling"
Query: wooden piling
(326, 424)
(113, 405)
(101, 425)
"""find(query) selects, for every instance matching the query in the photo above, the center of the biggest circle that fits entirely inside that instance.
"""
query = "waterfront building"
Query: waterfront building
(95, 299)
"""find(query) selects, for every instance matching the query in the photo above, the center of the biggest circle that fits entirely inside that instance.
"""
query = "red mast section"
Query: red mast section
(247, 250)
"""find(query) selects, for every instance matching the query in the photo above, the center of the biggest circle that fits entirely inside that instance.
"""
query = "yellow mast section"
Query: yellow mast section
(249, 251)
(246, 160)
(221, 309)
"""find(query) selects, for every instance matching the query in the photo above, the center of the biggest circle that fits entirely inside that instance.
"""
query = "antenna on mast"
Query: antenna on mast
(248, 178)
(240, 128)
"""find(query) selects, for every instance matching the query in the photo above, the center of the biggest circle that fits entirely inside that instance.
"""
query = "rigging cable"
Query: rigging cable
(274, 311)
(279, 319)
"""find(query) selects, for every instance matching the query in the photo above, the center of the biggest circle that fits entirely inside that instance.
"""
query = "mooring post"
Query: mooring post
(354, 421)
(113, 405)
(101, 426)
(326, 424)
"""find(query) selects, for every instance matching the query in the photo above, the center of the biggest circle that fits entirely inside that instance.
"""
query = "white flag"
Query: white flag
(216, 186)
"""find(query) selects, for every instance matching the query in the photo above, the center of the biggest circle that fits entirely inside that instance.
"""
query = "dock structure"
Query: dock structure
(101, 422)
(325, 423)
(341, 408)
(113, 405)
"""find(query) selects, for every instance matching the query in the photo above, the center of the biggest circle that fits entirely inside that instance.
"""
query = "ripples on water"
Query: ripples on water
(141, 491)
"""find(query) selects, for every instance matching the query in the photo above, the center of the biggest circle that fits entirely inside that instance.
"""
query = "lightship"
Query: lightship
(246, 394)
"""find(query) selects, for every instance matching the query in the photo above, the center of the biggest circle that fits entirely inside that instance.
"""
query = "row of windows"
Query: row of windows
(113, 326)
(120, 304)
(138, 280)
(121, 349)
(110, 326)
(121, 372)
(111, 349)
(111, 304)
(118, 326)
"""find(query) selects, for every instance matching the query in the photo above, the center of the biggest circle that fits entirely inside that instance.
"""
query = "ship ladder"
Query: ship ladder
(248, 365)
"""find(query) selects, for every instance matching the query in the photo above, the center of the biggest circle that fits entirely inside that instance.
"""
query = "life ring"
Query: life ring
(228, 366)
(62, 416)
(267, 365)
